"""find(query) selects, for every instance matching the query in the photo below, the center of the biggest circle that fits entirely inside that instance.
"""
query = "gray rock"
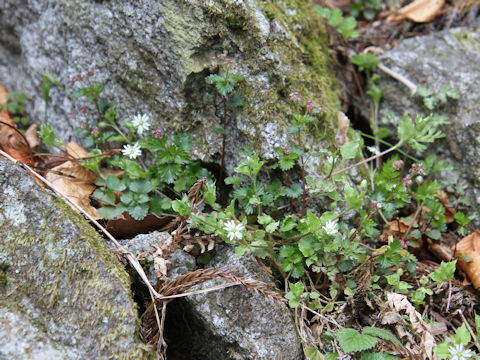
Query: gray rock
(448, 58)
(181, 262)
(65, 296)
(232, 323)
(153, 57)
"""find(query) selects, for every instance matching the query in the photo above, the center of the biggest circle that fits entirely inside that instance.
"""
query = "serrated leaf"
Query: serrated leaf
(444, 272)
(183, 141)
(138, 212)
(108, 212)
(270, 228)
(142, 186)
(350, 340)
(133, 169)
(107, 195)
(286, 163)
(462, 335)
(183, 207)
(236, 100)
(349, 150)
(294, 191)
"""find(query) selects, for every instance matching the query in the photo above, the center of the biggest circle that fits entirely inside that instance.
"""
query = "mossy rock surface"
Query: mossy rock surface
(61, 287)
(153, 57)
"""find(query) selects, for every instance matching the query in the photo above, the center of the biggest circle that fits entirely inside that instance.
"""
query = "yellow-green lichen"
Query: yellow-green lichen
(62, 278)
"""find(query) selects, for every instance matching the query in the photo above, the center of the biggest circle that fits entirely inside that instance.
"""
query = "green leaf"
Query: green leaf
(114, 183)
(322, 11)
(433, 234)
(287, 224)
(378, 356)
(365, 61)
(286, 163)
(477, 324)
(270, 228)
(220, 130)
(233, 180)
(335, 18)
(183, 141)
(224, 88)
(350, 340)
(312, 353)
(444, 272)
(210, 194)
(158, 205)
(264, 219)
(350, 150)
(353, 199)
(138, 212)
(183, 207)
(133, 170)
(406, 129)
(462, 335)
(442, 351)
(107, 195)
(108, 212)
(382, 334)
(294, 191)
(110, 114)
(47, 134)
(142, 186)
(236, 100)
(127, 198)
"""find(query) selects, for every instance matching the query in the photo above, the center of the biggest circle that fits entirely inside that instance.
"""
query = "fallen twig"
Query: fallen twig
(402, 79)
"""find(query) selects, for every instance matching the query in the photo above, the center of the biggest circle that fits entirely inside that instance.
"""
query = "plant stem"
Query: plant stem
(224, 136)
(364, 161)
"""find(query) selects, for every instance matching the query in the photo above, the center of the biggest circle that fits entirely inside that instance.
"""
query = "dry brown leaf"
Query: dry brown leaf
(76, 151)
(398, 303)
(419, 11)
(32, 137)
(343, 125)
(76, 182)
(127, 227)
(3, 95)
(470, 246)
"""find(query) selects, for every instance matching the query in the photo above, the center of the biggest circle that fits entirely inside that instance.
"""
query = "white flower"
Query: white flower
(234, 230)
(374, 150)
(141, 122)
(459, 353)
(330, 227)
(132, 151)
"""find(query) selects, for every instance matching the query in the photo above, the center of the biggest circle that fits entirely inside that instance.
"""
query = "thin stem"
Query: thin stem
(419, 209)
(365, 161)
(224, 136)
(390, 145)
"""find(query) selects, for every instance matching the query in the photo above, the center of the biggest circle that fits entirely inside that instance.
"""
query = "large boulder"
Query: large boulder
(224, 324)
(153, 57)
(63, 295)
(231, 323)
(448, 58)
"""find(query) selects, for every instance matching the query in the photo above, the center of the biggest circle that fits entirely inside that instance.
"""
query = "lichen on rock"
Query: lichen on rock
(61, 279)
(154, 56)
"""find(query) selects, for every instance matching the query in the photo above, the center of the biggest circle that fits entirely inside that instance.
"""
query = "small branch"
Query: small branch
(364, 161)
(411, 86)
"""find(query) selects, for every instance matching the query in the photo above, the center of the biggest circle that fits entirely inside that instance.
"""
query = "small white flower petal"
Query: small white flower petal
(141, 122)
(132, 151)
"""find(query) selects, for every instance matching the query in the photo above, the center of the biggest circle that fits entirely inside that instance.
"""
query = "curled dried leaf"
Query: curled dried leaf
(469, 246)
(76, 182)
